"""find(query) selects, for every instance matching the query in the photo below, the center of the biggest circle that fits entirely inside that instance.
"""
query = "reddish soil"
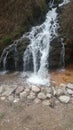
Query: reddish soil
(65, 76)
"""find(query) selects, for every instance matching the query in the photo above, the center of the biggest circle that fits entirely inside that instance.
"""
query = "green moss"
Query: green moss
(2, 115)
(6, 40)
(19, 31)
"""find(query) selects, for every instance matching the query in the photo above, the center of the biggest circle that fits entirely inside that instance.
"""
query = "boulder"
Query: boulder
(64, 99)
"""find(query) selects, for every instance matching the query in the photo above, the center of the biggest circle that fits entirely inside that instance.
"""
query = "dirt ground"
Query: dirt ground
(21, 116)
(35, 117)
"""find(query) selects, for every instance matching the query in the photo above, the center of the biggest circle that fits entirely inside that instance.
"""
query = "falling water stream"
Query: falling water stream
(37, 52)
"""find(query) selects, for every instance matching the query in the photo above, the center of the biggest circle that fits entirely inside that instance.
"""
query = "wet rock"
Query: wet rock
(41, 96)
(19, 90)
(64, 99)
(54, 55)
(46, 102)
(70, 86)
(35, 89)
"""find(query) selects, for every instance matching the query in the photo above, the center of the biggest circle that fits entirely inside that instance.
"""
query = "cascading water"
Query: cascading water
(36, 54)
(40, 37)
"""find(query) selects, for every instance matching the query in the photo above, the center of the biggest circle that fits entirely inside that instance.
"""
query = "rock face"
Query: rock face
(17, 17)
(14, 60)
(66, 23)
(55, 51)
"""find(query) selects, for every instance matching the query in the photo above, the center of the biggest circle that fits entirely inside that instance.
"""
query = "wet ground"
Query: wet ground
(63, 76)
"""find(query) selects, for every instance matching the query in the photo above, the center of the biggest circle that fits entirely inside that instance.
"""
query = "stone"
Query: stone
(53, 91)
(27, 90)
(1, 89)
(19, 90)
(11, 98)
(35, 89)
(59, 92)
(48, 95)
(53, 83)
(8, 90)
(31, 97)
(64, 99)
(16, 100)
(42, 96)
(69, 91)
(62, 85)
(2, 98)
(23, 95)
(46, 102)
(70, 86)
(36, 101)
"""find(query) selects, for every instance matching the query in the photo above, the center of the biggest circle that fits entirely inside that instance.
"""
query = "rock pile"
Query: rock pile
(46, 95)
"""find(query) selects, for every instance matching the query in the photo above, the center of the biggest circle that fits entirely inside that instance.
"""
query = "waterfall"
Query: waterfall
(36, 54)
(38, 50)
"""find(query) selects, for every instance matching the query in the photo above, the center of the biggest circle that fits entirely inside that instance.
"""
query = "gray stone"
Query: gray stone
(48, 95)
(23, 95)
(62, 85)
(1, 89)
(8, 90)
(11, 98)
(27, 90)
(35, 89)
(2, 98)
(69, 91)
(59, 92)
(16, 100)
(70, 86)
(19, 89)
(31, 96)
(36, 101)
(46, 102)
(64, 99)
(42, 96)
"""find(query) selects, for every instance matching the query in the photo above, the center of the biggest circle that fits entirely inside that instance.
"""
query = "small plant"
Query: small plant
(2, 115)
(6, 39)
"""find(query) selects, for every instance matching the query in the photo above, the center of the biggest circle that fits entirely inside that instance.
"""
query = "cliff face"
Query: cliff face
(66, 22)
(17, 16)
